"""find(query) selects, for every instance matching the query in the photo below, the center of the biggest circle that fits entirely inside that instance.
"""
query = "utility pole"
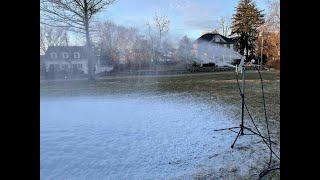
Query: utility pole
(261, 50)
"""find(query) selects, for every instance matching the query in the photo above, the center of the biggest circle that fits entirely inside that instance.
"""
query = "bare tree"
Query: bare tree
(51, 36)
(162, 24)
(224, 25)
(185, 47)
(269, 41)
(107, 39)
(152, 41)
(115, 40)
(76, 15)
(273, 15)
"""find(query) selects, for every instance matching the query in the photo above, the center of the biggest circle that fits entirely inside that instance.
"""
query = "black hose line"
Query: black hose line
(251, 118)
(265, 114)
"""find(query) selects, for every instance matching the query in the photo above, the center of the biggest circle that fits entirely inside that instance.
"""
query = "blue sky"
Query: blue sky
(187, 17)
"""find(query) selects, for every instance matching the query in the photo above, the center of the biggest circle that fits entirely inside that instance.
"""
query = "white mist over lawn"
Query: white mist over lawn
(214, 53)
(137, 138)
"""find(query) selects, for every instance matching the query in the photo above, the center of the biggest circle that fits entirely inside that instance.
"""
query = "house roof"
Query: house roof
(210, 36)
(69, 49)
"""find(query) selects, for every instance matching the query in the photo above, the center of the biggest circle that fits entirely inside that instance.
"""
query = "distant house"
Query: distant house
(216, 39)
(215, 48)
(69, 61)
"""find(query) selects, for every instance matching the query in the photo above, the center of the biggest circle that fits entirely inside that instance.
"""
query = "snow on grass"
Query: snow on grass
(139, 138)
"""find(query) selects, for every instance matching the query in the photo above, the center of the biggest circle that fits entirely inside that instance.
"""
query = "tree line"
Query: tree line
(141, 49)
(257, 33)
(127, 46)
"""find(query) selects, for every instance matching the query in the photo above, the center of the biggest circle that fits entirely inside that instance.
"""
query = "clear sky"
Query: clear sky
(187, 17)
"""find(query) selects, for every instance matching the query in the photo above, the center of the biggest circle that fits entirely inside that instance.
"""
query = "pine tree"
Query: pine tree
(245, 26)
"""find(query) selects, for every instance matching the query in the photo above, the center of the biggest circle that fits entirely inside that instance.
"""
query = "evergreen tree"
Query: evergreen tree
(245, 26)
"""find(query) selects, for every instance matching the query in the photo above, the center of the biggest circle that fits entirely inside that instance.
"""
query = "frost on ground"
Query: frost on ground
(141, 138)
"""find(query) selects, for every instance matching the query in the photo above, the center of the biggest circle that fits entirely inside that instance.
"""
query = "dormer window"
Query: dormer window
(76, 55)
(53, 55)
(65, 55)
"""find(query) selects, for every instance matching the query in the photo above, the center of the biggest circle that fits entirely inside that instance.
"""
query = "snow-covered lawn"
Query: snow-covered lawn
(139, 137)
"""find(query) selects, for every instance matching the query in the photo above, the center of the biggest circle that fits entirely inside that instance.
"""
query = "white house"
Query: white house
(70, 60)
(216, 39)
(215, 48)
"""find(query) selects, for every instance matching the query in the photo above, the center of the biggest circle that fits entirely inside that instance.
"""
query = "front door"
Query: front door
(74, 69)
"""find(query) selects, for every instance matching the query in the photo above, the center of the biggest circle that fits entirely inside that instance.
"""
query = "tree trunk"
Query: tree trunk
(247, 54)
(247, 44)
(90, 55)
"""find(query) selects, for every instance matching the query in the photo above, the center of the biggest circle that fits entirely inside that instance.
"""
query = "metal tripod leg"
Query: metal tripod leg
(239, 133)
(227, 128)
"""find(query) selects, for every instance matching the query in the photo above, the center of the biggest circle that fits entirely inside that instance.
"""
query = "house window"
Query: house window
(53, 55)
(56, 67)
(231, 46)
(51, 68)
(79, 66)
(65, 55)
(76, 55)
(217, 39)
(64, 66)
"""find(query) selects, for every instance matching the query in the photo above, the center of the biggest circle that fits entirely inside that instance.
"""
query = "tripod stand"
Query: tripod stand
(242, 127)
